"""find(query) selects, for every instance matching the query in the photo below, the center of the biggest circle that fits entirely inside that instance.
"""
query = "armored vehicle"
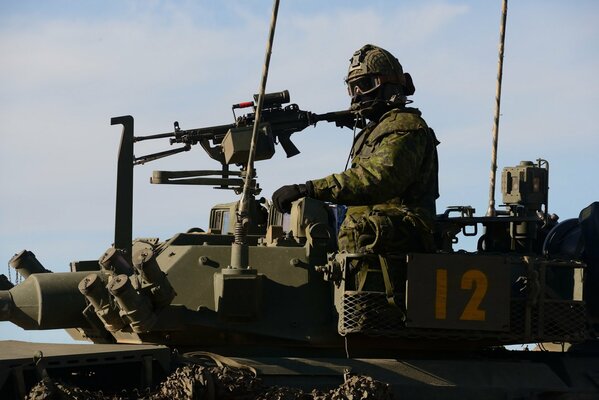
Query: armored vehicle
(258, 300)
(273, 292)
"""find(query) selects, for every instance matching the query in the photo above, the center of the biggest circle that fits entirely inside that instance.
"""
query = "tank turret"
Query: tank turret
(297, 292)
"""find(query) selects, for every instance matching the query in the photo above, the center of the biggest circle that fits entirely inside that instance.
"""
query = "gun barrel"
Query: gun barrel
(193, 136)
(150, 137)
(45, 301)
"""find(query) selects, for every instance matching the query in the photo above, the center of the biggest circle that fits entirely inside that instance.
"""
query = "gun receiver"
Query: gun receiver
(278, 123)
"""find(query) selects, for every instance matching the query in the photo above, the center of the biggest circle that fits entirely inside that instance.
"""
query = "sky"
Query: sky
(69, 66)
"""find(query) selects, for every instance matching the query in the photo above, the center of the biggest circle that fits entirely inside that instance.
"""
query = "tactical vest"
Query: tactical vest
(403, 223)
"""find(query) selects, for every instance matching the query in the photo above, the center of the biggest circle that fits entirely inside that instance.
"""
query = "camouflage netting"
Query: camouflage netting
(205, 383)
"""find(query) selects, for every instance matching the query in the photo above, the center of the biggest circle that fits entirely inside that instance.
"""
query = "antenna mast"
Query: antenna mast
(491, 210)
(239, 249)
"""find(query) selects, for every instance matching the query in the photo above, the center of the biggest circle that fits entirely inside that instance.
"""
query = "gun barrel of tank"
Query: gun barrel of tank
(45, 301)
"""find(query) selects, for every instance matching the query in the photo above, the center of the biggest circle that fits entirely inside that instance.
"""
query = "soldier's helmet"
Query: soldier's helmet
(374, 73)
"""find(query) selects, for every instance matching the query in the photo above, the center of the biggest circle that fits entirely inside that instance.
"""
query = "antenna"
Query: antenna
(491, 210)
(239, 249)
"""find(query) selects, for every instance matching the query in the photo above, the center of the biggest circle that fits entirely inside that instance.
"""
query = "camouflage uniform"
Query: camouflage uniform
(390, 188)
(392, 185)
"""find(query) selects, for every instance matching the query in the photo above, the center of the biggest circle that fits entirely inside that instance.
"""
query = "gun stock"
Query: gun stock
(342, 119)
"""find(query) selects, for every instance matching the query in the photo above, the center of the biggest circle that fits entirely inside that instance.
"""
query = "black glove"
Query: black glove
(285, 195)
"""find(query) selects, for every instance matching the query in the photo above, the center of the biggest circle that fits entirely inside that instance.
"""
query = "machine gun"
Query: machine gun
(229, 143)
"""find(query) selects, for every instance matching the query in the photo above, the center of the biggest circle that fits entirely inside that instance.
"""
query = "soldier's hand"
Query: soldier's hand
(285, 195)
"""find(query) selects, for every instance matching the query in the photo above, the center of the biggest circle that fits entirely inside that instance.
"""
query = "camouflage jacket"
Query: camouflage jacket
(394, 170)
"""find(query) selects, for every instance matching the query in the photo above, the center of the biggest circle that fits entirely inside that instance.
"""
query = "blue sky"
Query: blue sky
(69, 66)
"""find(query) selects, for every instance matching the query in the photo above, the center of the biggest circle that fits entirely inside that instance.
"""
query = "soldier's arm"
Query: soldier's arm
(384, 175)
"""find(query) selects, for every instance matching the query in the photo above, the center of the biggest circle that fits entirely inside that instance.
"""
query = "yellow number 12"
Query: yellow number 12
(472, 279)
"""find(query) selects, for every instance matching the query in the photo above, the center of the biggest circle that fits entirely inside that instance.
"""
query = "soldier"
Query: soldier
(392, 184)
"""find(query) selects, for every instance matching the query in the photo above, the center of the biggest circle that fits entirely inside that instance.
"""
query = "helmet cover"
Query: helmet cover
(372, 66)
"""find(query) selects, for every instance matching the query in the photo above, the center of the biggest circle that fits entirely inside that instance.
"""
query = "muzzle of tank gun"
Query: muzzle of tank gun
(162, 292)
(135, 307)
(113, 260)
(94, 289)
(25, 263)
(45, 301)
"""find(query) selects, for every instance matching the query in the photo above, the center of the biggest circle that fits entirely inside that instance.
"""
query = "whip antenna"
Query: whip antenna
(491, 210)
(239, 249)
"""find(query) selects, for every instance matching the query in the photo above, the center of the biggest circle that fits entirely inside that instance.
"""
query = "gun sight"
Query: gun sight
(275, 99)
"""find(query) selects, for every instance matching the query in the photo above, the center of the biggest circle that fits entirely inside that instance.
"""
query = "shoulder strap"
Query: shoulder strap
(398, 121)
